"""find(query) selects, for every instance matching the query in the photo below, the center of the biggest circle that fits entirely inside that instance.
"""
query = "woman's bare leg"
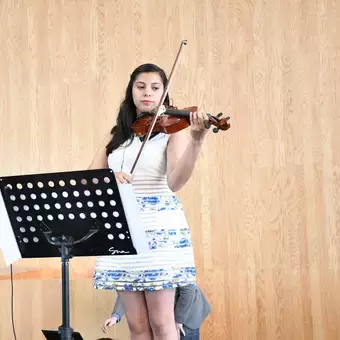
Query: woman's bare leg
(161, 314)
(136, 312)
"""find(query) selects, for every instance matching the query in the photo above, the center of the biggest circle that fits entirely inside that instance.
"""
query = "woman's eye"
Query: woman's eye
(156, 88)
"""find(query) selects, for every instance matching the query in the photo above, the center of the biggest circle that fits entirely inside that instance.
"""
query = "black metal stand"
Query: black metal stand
(66, 214)
(65, 245)
(65, 330)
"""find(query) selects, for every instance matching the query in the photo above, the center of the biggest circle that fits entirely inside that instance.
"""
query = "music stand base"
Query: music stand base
(56, 335)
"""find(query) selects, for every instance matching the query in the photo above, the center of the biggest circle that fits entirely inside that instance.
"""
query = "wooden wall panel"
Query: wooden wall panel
(263, 202)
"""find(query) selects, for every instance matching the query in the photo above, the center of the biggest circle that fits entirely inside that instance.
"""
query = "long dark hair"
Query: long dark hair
(122, 131)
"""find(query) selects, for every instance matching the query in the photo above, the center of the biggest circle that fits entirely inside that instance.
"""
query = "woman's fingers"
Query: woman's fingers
(127, 177)
(122, 178)
(199, 120)
(206, 121)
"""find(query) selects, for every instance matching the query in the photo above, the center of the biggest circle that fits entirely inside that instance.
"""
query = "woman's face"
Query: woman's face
(147, 91)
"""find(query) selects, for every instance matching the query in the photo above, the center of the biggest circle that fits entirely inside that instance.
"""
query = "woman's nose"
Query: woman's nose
(147, 92)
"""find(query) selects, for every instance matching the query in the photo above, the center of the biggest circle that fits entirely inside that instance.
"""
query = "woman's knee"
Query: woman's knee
(161, 311)
(162, 325)
(138, 324)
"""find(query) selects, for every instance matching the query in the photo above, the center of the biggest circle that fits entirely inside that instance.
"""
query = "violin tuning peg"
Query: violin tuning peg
(215, 130)
(220, 114)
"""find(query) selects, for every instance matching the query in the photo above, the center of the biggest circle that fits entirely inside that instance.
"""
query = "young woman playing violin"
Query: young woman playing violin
(146, 283)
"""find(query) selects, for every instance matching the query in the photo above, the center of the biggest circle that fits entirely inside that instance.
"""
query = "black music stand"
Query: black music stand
(66, 214)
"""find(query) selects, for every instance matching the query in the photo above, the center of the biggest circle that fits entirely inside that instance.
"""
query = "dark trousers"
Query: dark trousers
(190, 334)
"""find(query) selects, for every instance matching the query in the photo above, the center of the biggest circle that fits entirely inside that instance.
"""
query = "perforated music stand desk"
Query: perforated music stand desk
(66, 214)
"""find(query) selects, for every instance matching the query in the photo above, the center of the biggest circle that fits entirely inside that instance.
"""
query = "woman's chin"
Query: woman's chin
(146, 108)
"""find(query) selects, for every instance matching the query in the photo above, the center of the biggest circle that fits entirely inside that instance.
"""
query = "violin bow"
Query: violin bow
(159, 109)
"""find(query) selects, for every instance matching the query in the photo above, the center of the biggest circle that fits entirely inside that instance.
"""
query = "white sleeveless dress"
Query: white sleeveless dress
(170, 262)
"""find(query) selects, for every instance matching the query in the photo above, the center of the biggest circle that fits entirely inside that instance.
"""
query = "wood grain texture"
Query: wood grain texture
(263, 202)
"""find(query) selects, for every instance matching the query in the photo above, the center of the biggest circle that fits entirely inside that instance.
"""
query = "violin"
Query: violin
(172, 120)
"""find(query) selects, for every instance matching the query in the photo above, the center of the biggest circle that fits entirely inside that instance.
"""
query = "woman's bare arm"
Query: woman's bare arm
(100, 159)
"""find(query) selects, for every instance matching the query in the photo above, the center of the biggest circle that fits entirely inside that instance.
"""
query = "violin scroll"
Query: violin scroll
(219, 123)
